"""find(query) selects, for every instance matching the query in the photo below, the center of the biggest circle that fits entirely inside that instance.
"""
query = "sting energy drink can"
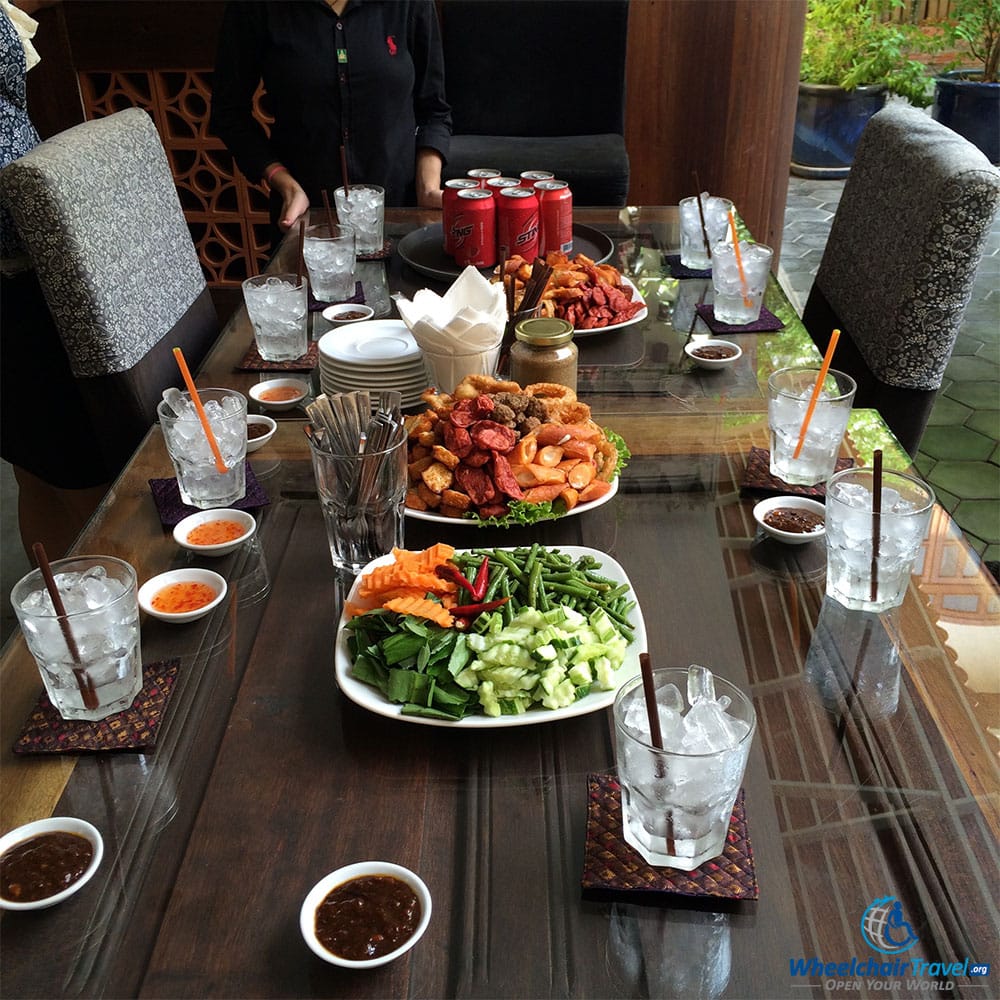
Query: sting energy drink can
(517, 223)
(449, 206)
(555, 211)
(474, 229)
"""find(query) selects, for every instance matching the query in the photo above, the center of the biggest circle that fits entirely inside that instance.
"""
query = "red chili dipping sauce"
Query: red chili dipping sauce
(177, 598)
(280, 394)
(367, 917)
(215, 532)
(793, 519)
(41, 866)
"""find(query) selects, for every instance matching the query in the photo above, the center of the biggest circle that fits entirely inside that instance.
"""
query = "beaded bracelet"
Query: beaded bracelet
(273, 171)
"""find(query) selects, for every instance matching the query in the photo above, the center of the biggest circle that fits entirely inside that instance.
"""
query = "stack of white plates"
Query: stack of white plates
(374, 354)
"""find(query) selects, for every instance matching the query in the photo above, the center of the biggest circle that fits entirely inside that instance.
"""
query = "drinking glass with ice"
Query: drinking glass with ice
(200, 482)
(739, 284)
(362, 208)
(102, 617)
(329, 257)
(677, 802)
(694, 253)
(789, 392)
(278, 305)
(905, 513)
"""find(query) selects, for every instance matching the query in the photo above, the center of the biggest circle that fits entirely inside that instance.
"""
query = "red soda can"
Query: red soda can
(517, 223)
(474, 229)
(555, 212)
(449, 206)
(482, 174)
(495, 184)
(528, 177)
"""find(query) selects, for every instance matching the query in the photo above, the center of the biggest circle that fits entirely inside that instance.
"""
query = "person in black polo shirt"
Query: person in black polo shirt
(364, 74)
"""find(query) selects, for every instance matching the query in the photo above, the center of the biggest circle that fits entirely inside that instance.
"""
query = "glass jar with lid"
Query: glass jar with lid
(544, 351)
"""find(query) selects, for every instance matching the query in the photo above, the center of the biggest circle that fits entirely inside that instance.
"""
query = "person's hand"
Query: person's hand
(294, 201)
(428, 178)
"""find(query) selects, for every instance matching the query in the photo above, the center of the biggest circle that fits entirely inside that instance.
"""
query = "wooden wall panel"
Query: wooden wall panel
(712, 87)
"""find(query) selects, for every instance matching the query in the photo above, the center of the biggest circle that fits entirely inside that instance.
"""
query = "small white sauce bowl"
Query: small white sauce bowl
(152, 587)
(279, 383)
(192, 521)
(54, 824)
(338, 314)
(799, 503)
(692, 346)
(319, 892)
(262, 420)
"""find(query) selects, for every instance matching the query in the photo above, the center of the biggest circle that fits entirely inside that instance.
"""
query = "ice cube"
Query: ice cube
(853, 495)
(700, 684)
(709, 726)
(176, 401)
(890, 498)
(670, 697)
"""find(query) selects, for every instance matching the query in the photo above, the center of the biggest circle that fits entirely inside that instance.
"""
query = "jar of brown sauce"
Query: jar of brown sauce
(544, 352)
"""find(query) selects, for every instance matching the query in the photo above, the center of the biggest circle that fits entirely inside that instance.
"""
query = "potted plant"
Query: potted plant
(852, 59)
(968, 100)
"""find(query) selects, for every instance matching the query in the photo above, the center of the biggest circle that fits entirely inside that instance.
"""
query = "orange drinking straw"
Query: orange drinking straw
(196, 399)
(747, 301)
(821, 378)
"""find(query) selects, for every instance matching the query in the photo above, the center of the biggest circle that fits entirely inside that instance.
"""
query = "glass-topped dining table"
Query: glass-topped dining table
(873, 779)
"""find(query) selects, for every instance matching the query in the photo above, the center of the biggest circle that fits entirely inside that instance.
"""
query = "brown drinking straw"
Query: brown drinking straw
(220, 463)
(876, 517)
(656, 737)
(343, 169)
(701, 212)
(329, 211)
(83, 681)
(300, 262)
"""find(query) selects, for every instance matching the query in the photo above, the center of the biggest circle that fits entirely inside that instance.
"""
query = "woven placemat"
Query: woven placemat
(613, 865)
(358, 298)
(135, 728)
(679, 270)
(167, 497)
(759, 482)
(382, 254)
(767, 322)
(253, 362)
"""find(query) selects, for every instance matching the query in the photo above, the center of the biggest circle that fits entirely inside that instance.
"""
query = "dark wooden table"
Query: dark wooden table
(873, 773)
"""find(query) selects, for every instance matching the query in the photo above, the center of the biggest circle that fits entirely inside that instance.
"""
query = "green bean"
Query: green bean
(497, 575)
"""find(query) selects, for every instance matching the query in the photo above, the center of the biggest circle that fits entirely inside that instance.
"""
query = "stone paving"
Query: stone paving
(960, 451)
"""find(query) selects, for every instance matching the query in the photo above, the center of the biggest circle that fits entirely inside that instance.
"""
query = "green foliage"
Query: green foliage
(976, 25)
(848, 44)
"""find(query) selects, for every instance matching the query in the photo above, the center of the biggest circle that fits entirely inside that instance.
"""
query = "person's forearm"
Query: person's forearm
(428, 178)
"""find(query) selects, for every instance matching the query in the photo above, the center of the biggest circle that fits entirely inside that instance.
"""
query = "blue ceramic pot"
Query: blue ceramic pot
(828, 124)
(971, 108)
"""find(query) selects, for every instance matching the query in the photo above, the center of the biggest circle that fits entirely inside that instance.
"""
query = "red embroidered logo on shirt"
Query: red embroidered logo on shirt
(390, 43)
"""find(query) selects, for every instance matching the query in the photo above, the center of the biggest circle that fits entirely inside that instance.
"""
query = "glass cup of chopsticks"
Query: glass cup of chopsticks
(358, 446)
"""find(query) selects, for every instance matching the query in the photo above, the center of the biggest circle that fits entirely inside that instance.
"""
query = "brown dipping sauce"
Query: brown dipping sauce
(793, 519)
(353, 314)
(257, 430)
(714, 353)
(41, 866)
(367, 917)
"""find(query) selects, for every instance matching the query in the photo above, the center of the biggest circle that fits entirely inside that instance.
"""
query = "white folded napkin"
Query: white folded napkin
(469, 317)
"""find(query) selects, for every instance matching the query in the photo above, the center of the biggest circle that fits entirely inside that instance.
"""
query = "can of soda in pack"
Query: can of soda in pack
(496, 184)
(482, 174)
(474, 229)
(555, 213)
(528, 177)
(517, 223)
(449, 206)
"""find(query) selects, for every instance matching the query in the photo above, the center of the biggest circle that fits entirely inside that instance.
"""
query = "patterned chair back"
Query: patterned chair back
(99, 214)
(899, 265)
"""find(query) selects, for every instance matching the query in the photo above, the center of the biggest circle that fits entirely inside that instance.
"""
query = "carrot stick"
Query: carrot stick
(747, 301)
(820, 379)
(196, 399)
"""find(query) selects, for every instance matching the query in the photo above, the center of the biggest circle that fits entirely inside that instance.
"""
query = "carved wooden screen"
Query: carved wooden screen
(227, 215)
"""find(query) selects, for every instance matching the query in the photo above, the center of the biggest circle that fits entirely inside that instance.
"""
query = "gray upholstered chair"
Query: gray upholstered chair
(898, 268)
(99, 214)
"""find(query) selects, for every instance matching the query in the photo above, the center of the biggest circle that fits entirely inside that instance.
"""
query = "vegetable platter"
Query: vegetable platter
(558, 660)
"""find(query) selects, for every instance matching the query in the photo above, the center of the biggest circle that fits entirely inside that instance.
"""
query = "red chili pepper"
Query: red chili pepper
(482, 580)
(449, 572)
(467, 610)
